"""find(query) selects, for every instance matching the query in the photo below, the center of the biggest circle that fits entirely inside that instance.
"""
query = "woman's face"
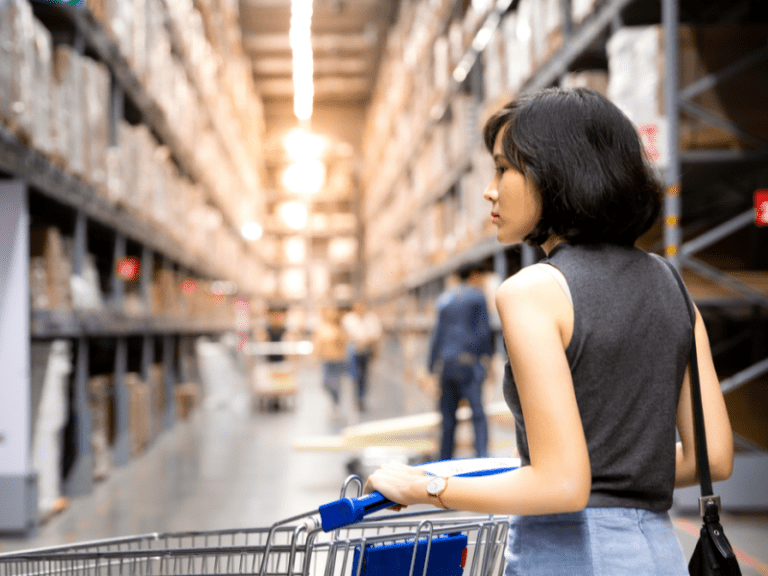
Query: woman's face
(515, 204)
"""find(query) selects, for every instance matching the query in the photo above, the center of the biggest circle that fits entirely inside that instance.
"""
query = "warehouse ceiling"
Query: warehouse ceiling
(348, 37)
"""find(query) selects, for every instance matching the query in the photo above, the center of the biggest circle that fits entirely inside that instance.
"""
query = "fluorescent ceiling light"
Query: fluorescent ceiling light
(301, 44)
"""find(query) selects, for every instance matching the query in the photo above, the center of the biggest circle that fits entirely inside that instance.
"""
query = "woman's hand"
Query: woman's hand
(399, 483)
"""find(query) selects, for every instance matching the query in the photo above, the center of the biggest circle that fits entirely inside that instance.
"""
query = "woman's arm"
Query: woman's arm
(533, 310)
(716, 421)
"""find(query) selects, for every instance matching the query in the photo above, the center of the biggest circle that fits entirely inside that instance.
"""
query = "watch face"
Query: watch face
(436, 485)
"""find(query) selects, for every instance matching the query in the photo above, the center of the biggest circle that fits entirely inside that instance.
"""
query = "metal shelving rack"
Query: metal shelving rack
(25, 175)
(748, 487)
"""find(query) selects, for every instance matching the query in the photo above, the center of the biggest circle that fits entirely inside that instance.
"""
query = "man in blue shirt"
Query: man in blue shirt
(460, 340)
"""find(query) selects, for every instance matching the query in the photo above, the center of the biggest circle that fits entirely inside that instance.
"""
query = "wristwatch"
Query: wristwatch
(436, 486)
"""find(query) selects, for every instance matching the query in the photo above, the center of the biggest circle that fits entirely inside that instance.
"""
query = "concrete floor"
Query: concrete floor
(229, 467)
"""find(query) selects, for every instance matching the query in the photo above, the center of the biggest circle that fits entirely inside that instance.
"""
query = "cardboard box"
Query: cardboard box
(139, 423)
(41, 88)
(16, 67)
(187, 397)
(67, 125)
(96, 120)
(48, 245)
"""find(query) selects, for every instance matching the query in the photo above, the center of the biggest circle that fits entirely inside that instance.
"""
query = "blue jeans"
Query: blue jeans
(459, 381)
(359, 371)
(595, 542)
(332, 373)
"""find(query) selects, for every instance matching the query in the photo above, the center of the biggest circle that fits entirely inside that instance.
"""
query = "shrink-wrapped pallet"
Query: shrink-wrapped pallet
(51, 366)
(595, 79)
(16, 66)
(67, 133)
(118, 18)
(96, 111)
(41, 88)
(86, 287)
(580, 9)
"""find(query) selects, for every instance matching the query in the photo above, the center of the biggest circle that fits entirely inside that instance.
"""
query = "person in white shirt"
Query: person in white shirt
(364, 331)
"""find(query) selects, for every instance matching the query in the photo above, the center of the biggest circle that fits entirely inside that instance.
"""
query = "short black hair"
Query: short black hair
(585, 159)
(466, 270)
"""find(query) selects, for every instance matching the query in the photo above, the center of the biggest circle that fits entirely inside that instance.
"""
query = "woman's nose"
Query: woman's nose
(491, 193)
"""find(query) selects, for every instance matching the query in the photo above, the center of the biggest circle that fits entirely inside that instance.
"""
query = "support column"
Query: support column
(169, 379)
(18, 481)
(147, 360)
(672, 199)
(527, 255)
(122, 447)
(79, 481)
(80, 243)
(117, 283)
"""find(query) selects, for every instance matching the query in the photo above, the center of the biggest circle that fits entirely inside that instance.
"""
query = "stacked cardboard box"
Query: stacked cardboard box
(187, 396)
(67, 122)
(139, 423)
(41, 87)
(166, 294)
(100, 395)
(16, 67)
(96, 111)
(51, 267)
(595, 79)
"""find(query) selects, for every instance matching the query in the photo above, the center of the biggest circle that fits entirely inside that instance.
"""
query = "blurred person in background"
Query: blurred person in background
(599, 337)
(363, 330)
(462, 344)
(331, 349)
(275, 332)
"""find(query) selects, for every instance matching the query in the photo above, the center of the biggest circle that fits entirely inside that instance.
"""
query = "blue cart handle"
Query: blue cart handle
(346, 511)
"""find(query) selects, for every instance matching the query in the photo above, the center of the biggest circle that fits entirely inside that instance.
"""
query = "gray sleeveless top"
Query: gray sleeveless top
(630, 346)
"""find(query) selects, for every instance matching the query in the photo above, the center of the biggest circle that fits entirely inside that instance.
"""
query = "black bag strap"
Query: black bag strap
(705, 478)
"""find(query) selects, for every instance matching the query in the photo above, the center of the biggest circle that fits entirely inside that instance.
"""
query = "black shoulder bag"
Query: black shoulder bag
(713, 555)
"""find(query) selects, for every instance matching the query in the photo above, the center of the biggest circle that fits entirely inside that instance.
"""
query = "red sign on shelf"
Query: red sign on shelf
(761, 207)
(128, 268)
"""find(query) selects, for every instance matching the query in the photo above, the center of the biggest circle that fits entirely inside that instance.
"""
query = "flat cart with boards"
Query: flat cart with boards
(274, 378)
(333, 540)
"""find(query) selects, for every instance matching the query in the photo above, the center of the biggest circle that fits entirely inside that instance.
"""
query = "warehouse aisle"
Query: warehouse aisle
(226, 467)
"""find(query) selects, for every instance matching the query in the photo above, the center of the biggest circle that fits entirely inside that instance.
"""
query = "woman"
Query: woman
(598, 338)
(331, 347)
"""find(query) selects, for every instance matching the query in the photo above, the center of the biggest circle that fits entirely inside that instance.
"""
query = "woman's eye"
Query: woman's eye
(500, 170)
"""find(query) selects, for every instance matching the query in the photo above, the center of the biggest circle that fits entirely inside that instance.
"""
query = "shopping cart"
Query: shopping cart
(328, 541)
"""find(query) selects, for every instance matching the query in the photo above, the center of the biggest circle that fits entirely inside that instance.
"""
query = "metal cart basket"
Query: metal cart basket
(417, 544)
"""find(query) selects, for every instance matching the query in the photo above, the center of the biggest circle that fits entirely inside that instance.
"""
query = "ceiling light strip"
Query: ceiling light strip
(301, 44)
